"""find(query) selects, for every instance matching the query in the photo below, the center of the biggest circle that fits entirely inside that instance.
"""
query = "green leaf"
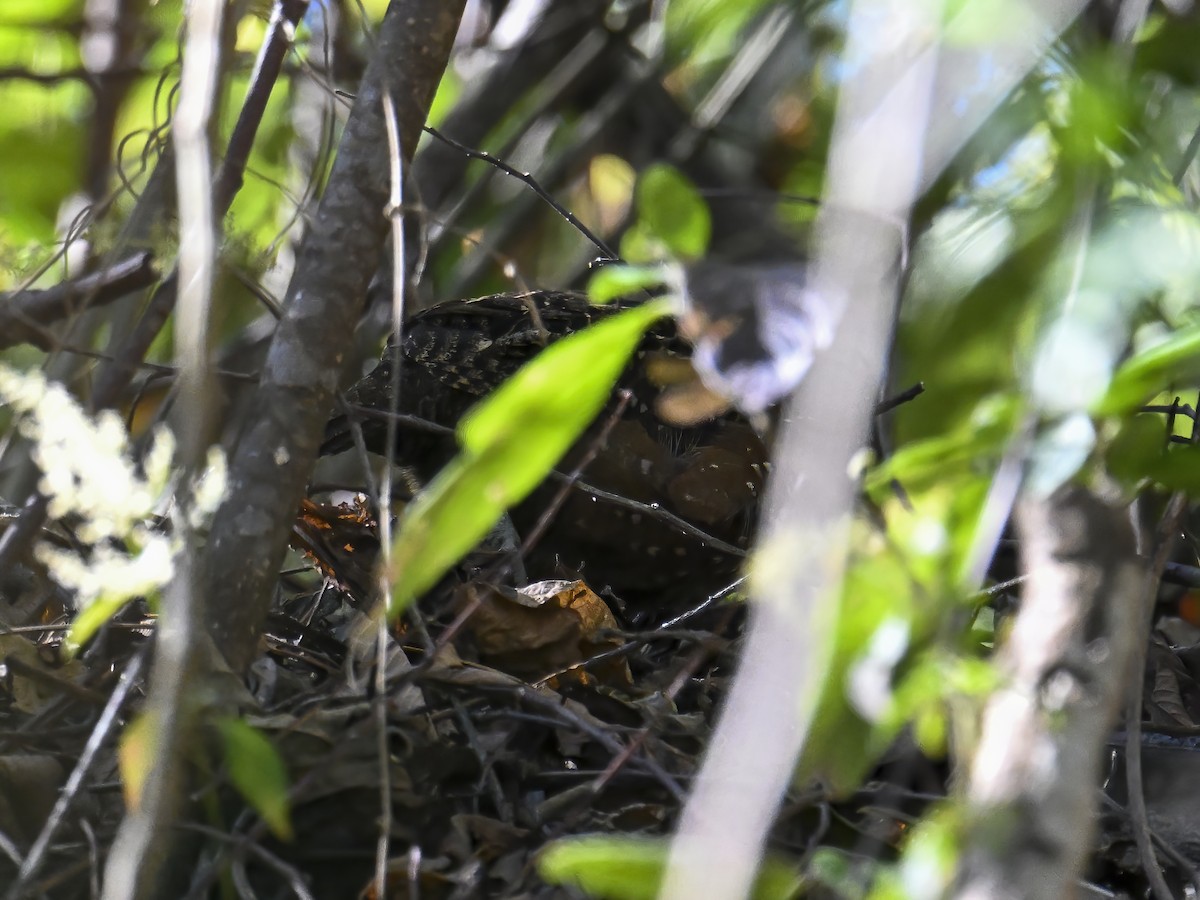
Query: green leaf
(970, 446)
(877, 596)
(846, 875)
(640, 245)
(931, 854)
(258, 773)
(903, 588)
(632, 868)
(1137, 449)
(1177, 359)
(1140, 452)
(673, 211)
(91, 618)
(37, 12)
(510, 442)
(615, 281)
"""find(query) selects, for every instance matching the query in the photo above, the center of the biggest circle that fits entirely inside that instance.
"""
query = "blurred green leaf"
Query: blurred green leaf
(258, 773)
(971, 310)
(928, 861)
(1094, 113)
(510, 442)
(982, 23)
(614, 281)
(846, 875)
(702, 33)
(1137, 449)
(901, 588)
(42, 136)
(632, 868)
(639, 245)
(877, 594)
(1174, 361)
(91, 618)
(673, 211)
(931, 687)
(1168, 46)
(1140, 452)
(970, 447)
(448, 91)
(37, 12)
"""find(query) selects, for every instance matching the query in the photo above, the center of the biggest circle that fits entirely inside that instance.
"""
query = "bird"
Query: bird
(663, 505)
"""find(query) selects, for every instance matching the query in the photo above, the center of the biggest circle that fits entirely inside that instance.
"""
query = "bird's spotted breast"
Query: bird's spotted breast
(657, 505)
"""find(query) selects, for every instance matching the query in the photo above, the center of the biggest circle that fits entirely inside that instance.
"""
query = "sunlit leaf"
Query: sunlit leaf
(91, 619)
(1096, 115)
(623, 868)
(561, 390)
(36, 12)
(975, 23)
(640, 245)
(901, 589)
(510, 442)
(1175, 360)
(612, 282)
(971, 446)
(673, 211)
(135, 756)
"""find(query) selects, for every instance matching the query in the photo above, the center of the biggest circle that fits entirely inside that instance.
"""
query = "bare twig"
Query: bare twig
(533, 185)
(104, 726)
(395, 212)
(173, 703)
(1176, 509)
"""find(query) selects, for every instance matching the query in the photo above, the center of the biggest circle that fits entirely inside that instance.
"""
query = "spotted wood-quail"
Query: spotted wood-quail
(675, 505)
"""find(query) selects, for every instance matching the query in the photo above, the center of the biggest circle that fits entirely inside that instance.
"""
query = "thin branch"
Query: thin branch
(24, 315)
(395, 214)
(144, 838)
(1067, 661)
(533, 185)
(105, 725)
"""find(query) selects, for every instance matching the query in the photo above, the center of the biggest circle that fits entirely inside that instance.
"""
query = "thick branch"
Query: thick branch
(279, 440)
(1034, 779)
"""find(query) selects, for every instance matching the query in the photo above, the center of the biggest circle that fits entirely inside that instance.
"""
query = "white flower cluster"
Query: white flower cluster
(87, 471)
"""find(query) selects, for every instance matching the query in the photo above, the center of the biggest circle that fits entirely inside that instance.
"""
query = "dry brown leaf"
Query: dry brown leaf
(30, 694)
(544, 629)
